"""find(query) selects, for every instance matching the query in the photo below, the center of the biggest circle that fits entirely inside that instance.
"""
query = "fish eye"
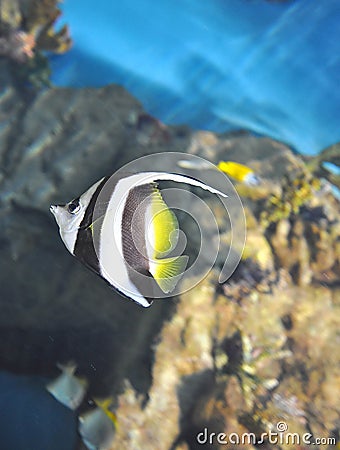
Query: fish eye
(73, 207)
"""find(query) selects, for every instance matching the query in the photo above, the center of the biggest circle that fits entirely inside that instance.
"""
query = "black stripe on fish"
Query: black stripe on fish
(84, 248)
(134, 235)
(133, 227)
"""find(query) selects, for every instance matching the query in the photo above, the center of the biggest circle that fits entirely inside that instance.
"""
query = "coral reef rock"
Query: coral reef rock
(26, 32)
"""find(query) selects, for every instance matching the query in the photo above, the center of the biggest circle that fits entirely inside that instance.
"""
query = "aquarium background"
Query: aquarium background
(249, 81)
(267, 66)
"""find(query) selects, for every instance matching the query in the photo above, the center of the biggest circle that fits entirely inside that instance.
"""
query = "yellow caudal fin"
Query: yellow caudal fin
(164, 227)
(168, 271)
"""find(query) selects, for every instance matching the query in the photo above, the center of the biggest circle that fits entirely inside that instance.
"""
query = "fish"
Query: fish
(67, 388)
(239, 172)
(122, 229)
(97, 428)
(196, 164)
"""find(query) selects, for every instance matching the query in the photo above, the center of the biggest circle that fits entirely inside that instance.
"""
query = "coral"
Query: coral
(247, 279)
(17, 45)
(10, 15)
(301, 227)
(297, 190)
(26, 31)
(308, 246)
(39, 18)
(183, 365)
(238, 368)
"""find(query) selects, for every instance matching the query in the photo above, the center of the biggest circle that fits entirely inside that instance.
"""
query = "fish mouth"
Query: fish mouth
(53, 209)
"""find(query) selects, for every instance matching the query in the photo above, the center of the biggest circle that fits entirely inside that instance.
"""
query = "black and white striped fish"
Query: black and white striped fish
(122, 229)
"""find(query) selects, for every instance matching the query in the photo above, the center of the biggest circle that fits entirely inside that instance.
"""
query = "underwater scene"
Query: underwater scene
(170, 224)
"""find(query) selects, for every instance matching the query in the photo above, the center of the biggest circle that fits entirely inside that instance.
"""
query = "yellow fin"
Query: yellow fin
(164, 226)
(104, 405)
(235, 170)
(168, 271)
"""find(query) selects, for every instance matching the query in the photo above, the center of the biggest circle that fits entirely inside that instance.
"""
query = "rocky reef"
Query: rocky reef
(259, 350)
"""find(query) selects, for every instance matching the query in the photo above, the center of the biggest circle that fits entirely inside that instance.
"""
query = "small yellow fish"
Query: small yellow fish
(239, 172)
(97, 427)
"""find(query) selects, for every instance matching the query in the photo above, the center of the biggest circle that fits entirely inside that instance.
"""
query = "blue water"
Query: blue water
(272, 68)
(31, 419)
